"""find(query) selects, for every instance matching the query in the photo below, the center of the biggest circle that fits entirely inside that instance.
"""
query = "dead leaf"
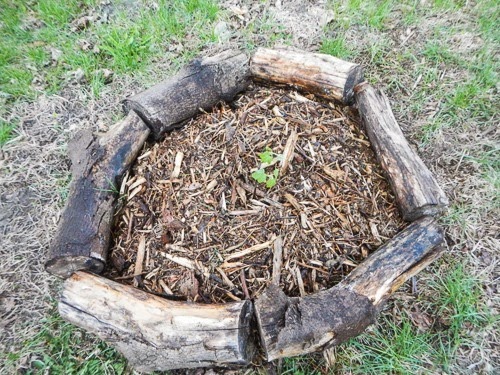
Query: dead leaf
(422, 320)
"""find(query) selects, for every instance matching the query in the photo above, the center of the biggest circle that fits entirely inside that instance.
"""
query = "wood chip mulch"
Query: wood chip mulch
(195, 225)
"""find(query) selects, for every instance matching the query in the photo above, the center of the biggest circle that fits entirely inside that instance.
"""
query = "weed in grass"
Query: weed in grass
(458, 298)
(60, 348)
(127, 47)
(372, 13)
(390, 348)
(5, 132)
(448, 4)
(336, 47)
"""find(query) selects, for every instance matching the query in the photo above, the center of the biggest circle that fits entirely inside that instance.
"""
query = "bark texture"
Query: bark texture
(296, 326)
(82, 238)
(201, 85)
(410, 251)
(323, 75)
(154, 333)
(417, 191)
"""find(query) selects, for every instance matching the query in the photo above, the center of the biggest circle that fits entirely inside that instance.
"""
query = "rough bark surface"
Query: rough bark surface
(323, 75)
(82, 238)
(154, 333)
(201, 85)
(396, 261)
(296, 326)
(417, 191)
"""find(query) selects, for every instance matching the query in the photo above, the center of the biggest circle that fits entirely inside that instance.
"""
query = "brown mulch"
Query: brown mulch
(195, 225)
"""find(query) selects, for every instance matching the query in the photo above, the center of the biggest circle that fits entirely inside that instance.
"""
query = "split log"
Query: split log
(296, 326)
(82, 238)
(417, 191)
(154, 333)
(323, 75)
(201, 85)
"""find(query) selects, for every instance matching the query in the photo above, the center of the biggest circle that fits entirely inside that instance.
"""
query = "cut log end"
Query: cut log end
(156, 334)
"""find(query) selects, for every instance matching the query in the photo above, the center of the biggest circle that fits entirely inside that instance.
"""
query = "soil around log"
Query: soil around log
(195, 225)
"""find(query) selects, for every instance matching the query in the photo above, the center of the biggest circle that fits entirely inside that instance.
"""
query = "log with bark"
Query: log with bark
(155, 333)
(201, 85)
(291, 326)
(82, 238)
(417, 191)
(323, 75)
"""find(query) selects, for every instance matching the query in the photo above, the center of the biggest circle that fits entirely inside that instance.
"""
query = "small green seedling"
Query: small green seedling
(267, 158)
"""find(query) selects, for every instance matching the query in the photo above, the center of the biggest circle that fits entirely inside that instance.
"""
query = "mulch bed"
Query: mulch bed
(195, 225)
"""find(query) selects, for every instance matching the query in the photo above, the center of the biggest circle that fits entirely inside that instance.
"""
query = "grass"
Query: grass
(458, 89)
(32, 33)
(57, 349)
(396, 345)
(451, 91)
(336, 47)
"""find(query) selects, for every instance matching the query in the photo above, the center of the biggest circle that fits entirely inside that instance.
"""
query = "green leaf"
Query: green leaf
(271, 181)
(266, 156)
(276, 173)
(259, 176)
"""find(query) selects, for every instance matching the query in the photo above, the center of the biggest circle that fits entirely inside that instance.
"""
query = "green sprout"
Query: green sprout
(267, 158)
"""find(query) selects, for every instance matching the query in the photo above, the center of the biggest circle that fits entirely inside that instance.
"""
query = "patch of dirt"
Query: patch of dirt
(300, 22)
(34, 178)
(196, 225)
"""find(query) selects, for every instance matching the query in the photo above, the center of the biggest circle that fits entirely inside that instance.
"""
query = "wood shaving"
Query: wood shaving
(213, 232)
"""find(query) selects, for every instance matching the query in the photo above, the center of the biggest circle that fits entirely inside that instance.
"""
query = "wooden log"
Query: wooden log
(82, 238)
(417, 191)
(201, 85)
(296, 326)
(401, 258)
(323, 75)
(291, 326)
(154, 333)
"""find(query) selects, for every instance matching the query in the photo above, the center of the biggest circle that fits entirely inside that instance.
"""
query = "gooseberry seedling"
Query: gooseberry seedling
(268, 158)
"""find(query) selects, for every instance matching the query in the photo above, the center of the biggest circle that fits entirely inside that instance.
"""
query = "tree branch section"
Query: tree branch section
(154, 333)
(160, 334)
(296, 326)
(201, 85)
(417, 191)
(82, 238)
(323, 75)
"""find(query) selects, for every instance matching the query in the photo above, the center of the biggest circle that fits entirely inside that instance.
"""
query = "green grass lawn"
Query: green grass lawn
(440, 58)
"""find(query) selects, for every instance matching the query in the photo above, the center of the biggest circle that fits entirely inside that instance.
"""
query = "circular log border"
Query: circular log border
(158, 334)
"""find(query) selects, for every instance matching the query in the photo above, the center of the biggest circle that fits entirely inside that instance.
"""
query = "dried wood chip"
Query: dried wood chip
(194, 201)
(140, 256)
(177, 165)
(288, 152)
(277, 260)
(249, 250)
